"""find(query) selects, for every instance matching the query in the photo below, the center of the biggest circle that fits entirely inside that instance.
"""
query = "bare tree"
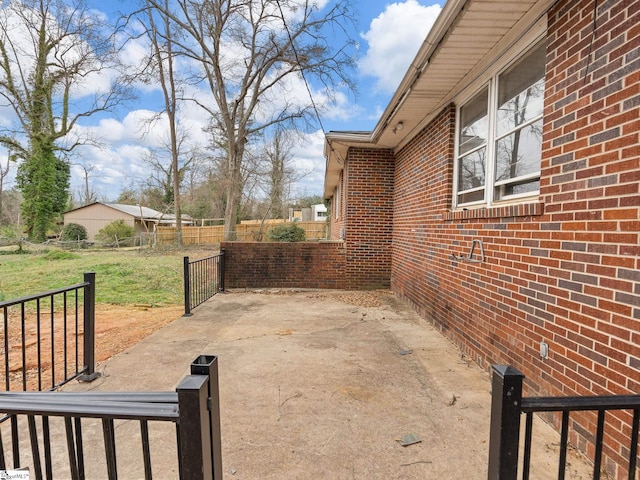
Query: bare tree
(87, 194)
(249, 53)
(53, 56)
(130, 195)
(11, 200)
(161, 65)
(280, 172)
(166, 175)
(4, 173)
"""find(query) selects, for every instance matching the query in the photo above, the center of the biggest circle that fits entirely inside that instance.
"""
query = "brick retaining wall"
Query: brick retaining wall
(284, 265)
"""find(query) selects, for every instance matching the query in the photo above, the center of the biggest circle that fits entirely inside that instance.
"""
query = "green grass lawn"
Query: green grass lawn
(122, 276)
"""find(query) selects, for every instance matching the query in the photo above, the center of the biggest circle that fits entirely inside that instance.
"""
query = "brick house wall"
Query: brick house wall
(423, 178)
(368, 200)
(284, 265)
(564, 270)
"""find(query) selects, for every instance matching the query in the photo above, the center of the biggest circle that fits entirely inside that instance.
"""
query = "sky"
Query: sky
(389, 35)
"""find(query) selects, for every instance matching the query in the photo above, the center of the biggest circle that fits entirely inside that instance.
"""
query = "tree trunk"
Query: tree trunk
(234, 184)
(231, 214)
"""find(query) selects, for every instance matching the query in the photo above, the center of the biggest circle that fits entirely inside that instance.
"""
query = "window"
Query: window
(499, 140)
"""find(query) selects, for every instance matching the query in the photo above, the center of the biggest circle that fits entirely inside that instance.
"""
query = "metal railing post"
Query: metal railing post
(506, 401)
(187, 288)
(208, 365)
(194, 440)
(222, 266)
(89, 329)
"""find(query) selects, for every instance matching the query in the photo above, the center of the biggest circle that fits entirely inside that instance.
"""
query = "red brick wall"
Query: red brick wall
(423, 178)
(284, 265)
(368, 201)
(566, 270)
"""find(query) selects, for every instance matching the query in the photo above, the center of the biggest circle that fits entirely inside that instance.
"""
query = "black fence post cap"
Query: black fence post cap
(507, 371)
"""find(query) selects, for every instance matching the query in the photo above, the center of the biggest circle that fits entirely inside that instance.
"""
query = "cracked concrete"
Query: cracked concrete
(316, 386)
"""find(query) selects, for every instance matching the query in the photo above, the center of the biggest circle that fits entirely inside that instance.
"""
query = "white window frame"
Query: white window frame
(489, 81)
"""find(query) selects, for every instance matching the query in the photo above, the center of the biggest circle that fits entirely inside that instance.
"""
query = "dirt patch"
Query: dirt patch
(375, 298)
(117, 328)
(361, 299)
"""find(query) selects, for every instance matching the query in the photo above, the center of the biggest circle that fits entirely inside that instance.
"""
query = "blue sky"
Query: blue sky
(389, 35)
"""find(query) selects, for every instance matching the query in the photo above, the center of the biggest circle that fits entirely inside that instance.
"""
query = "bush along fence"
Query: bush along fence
(246, 232)
(58, 319)
(620, 414)
(160, 431)
(203, 278)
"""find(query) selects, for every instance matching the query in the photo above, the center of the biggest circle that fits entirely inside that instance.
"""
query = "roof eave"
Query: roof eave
(453, 55)
(348, 139)
(441, 26)
(336, 147)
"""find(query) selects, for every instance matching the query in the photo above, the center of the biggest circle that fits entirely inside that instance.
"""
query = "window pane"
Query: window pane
(521, 91)
(471, 170)
(476, 196)
(473, 123)
(531, 186)
(519, 153)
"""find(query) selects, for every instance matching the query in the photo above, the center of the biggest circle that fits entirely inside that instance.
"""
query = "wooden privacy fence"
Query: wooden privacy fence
(247, 232)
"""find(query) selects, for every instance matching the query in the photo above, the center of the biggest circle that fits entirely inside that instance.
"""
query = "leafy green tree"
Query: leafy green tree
(116, 233)
(44, 182)
(50, 51)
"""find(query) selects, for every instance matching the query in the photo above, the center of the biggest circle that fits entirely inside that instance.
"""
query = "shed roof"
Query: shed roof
(136, 210)
(466, 37)
(139, 212)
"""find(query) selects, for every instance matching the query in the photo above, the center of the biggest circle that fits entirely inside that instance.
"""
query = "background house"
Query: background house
(96, 215)
(314, 213)
(516, 130)
(318, 212)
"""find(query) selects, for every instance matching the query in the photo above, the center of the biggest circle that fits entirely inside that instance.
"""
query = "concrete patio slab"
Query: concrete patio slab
(325, 385)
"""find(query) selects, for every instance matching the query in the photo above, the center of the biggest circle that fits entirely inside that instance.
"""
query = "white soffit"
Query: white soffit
(481, 30)
(467, 37)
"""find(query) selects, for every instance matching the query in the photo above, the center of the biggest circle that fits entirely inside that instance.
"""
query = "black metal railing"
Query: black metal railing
(508, 405)
(203, 278)
(166, 434)
(41, 337)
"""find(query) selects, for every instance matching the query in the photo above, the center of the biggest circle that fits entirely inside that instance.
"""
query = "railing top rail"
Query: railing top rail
(144, 397)
(28, 298)
(206, 258)
(123, 410)
(579, 403)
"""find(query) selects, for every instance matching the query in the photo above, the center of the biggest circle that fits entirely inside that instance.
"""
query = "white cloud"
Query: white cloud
(125, 141)
(120, 162)
(308, 159)
(394, 38)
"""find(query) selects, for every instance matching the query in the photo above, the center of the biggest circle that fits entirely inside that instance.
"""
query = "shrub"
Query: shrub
(9, 234)
(287, 233)
(72, 232)
(116, 233)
